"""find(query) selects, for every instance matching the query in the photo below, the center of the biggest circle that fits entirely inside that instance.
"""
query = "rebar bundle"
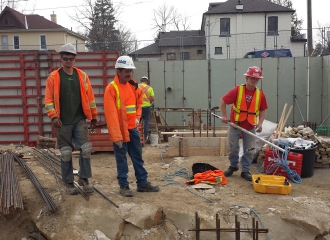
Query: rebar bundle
(10, 194)
(48, 200)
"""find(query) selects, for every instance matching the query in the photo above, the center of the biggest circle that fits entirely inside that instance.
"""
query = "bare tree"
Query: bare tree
(321, 40)
(167, 16)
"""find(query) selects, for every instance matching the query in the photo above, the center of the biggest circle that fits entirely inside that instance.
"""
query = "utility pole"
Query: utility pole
(309, 28)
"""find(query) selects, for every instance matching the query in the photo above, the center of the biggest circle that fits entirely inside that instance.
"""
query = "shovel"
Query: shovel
(250, 133)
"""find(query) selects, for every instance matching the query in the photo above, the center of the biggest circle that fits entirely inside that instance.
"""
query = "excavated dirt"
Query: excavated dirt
(303, 214)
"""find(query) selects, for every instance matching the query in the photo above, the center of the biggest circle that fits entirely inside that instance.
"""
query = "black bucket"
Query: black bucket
(307, 169)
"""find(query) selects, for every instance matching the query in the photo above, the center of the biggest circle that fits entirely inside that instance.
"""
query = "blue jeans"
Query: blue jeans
(78, 134)
(233, 137)
(145, 117)
(134, 150)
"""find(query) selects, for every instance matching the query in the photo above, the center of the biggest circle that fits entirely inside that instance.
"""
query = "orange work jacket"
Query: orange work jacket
(52, 95)
(241, 113)
(115, 110)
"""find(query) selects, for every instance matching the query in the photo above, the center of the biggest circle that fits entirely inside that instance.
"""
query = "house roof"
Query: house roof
(152, 49)
(34, 22)
(181, 38)
(249, 6)
(173, 39)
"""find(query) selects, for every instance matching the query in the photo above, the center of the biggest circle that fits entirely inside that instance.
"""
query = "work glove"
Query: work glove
(56, 122)
(119, 144)
(137, 122)
(93, 124)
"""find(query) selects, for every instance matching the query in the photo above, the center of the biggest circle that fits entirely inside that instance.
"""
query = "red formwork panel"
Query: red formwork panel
(294, 162)
(22, 87)
(101, 142)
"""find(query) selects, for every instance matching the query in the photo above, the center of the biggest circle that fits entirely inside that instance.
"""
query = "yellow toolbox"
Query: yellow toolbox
(263, 183)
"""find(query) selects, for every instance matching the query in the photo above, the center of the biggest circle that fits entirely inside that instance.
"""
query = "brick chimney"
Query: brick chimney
(53, 18)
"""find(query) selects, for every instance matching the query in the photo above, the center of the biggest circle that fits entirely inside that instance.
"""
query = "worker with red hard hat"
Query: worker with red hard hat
(248, 110)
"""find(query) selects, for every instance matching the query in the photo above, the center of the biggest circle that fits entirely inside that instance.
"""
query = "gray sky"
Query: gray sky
(137, 15)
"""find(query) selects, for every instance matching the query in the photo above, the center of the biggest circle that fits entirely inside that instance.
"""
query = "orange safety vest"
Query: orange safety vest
(241, 113)
(211, 177)
(116, 110)
(52, 95)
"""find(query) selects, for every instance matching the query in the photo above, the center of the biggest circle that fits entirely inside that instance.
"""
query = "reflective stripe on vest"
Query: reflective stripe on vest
(130, 109)
(114, 84)
(145, 93)
(241, 112)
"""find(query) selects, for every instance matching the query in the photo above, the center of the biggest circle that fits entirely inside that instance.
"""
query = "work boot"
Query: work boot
(126, 191)
(148, 188)
(230, 171)
(71, 189)
(87, 187)
(246, 175)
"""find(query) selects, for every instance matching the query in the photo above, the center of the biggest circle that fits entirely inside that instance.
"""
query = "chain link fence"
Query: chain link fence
(214, 46)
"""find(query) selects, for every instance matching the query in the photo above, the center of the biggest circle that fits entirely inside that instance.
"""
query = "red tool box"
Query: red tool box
(294, 162)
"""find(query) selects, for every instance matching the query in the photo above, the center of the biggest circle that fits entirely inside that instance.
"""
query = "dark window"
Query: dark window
(199, 51)
(43, 42)
(218, 50)
(16, 42)
(171, 56)
(9, 21)
(184, 56)
(224, 27)
(272, 26)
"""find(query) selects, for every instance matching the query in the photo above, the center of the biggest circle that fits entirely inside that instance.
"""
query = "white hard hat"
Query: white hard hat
(68, 48)
(145, 77)
(125, 62)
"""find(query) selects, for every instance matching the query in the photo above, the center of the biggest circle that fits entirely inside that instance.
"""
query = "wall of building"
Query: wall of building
(247, 32)
(30, 40)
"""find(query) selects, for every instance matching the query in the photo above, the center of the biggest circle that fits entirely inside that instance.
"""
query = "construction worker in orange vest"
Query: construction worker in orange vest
(69, 101)
(122, 110)
(148, 97)
(248, 111)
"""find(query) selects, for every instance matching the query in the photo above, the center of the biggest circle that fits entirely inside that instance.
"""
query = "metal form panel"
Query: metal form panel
(325, 90)
(285, 88)
(20, 94)
(315, 90)
(269, 86)
(174, 92)
(22, 89)
(300, 91)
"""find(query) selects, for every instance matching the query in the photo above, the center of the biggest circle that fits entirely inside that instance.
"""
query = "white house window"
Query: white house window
(4, 42)
(171, 56)
(224, 27)
(218, 50)
(272, 26)
(43, 45)
(16, 42)
(184, 56)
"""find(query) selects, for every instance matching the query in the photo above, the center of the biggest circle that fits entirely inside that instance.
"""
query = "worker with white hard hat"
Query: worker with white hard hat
(122, 110)
(69, 101)
(248, 110)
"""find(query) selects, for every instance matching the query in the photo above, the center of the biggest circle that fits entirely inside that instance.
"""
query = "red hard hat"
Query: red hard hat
(254, 72)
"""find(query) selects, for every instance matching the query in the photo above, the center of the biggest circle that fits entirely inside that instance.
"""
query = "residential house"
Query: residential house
(235, 27)
(33, 32)
(174, 45)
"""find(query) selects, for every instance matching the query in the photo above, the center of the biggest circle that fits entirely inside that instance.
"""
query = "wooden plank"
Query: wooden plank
(184, 147)
(173, 151)
(223, 146)
(193, 151)
(203, 151)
